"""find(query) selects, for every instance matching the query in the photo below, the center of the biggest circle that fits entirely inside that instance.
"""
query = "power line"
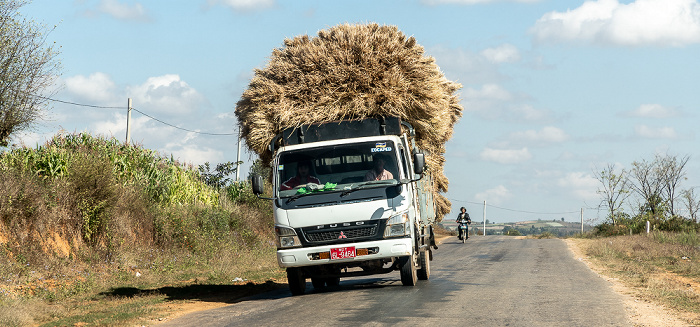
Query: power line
(80, 104)
(180, 128)
(139, 111)
(515, 210)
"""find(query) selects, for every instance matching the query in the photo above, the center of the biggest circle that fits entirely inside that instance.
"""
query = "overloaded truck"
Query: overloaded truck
(347, 219)
(353, 123)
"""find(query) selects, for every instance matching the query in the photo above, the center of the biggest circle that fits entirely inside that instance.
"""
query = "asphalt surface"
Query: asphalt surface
(489, 281)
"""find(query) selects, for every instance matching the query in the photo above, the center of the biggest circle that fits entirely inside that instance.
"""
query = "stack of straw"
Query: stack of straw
(353, 72)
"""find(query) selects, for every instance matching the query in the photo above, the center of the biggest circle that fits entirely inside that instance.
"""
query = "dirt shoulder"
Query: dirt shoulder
(640, 312)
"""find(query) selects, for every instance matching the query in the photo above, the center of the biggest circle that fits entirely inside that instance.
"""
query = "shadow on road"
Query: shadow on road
(204, 292)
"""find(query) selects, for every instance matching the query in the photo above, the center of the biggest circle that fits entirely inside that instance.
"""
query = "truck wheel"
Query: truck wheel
(296, 280)
(409, 275)
(424, 271)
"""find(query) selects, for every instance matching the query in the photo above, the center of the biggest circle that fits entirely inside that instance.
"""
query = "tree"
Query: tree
(615, 189)
(672, 172)
(219, 177)
(259, 168)
(692, 204)
(28, 67)
(647, 181)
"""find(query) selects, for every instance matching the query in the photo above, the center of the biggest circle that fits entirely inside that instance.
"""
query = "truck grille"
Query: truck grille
(335, 235)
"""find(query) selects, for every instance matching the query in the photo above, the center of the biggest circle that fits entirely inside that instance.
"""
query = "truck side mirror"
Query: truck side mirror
(257, 184)
(418, 163)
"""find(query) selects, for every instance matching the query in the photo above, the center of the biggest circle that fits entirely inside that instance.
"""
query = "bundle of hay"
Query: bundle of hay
(353, 72)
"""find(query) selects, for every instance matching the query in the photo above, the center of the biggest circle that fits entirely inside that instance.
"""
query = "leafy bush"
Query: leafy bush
(219, 177)
(546, 235)
(80, 214)
(111, 194)
(635, 225)
(512, 232)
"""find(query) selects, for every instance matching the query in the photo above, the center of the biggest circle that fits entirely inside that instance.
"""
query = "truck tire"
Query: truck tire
(296, 280)
(409, 274)
(424, 270)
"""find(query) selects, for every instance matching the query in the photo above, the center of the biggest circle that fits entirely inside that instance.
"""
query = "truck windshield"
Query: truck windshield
(337, 168)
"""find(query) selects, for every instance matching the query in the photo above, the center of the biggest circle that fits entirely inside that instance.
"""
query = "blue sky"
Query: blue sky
(552, 89)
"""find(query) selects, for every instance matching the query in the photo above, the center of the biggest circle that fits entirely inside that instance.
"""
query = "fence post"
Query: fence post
(648, 226)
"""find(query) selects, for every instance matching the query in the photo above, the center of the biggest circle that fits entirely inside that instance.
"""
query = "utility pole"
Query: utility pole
(238, 155)
(128, 122)
(581, 220)
(484, 218)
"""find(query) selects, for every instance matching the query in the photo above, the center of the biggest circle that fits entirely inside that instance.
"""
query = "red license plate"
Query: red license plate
(343, 253)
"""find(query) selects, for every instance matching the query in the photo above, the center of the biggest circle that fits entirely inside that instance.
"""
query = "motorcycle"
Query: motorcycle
(463, 230)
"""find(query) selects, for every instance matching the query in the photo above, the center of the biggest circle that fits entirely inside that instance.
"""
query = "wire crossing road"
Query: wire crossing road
(489, 281)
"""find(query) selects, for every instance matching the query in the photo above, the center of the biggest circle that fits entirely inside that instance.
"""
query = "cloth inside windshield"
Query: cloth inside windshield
(336, 168)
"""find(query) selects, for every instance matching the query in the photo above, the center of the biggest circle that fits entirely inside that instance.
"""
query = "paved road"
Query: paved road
(489, 281)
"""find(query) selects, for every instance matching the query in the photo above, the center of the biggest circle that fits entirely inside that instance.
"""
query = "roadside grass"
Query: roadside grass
(130, 288)
(663, 267)
(96, 232)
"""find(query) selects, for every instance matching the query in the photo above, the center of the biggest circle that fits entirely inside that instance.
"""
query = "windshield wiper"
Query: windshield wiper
(353, 188)
(311, 188)
(362, 186)
(296, 196)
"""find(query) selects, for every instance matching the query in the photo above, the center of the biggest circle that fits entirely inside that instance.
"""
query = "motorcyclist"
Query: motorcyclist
(463, 219)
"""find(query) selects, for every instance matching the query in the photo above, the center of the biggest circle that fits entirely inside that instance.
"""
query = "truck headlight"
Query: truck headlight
(397, 225)
(286, 237)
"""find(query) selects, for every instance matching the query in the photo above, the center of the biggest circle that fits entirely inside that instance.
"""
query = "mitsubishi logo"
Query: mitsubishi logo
(342, 236)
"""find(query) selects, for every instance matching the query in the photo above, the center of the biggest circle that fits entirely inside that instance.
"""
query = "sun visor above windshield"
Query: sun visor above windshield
(342, 130)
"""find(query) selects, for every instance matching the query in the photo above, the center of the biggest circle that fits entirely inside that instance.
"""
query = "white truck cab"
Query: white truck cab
(350, 199)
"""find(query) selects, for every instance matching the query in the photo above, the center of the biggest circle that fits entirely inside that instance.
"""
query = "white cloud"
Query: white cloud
(505, 53)
(116, 126)
(472, 2)
(495, 195)
(655, 132)
(496, 103)
(528, 113)
(244, 5)
(465, 66)
(488, 92)
(639, 23)
(123, 11)
(165, 94)
(98, 88)
(581, 185)
(547, 134)
(655, 111)
(190, 151)
(505, 156)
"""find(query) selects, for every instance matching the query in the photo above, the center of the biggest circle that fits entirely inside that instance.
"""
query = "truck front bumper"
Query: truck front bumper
(309, 256)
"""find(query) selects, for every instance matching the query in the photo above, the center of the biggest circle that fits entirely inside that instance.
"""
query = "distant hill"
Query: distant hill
(530, 227)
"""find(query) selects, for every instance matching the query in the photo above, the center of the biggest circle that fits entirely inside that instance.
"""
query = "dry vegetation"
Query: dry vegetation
(90, 226)
(353, 72)
(661, 268)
